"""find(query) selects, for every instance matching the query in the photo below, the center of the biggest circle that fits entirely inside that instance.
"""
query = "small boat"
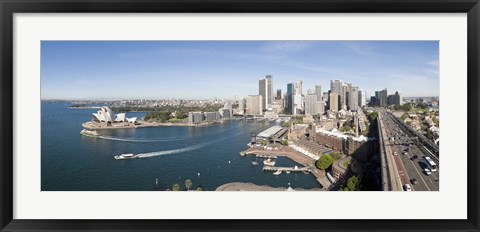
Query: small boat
(287, 171)
(125, 156)
(278, 172)
(269, 162)
(89, 133)
(254, 162)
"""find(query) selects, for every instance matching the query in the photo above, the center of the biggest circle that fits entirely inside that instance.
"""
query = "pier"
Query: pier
(285, 169)
(294, 155)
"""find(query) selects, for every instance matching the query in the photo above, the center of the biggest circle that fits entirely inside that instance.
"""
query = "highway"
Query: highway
(408, 156)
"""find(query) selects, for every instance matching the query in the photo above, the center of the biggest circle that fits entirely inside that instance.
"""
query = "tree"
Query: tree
(373, 116)
(188, 184)
(286, 124)
(404, 116)
(353, 184)
(176, 187)
(336, 155)
(324, 162)
(345, 128)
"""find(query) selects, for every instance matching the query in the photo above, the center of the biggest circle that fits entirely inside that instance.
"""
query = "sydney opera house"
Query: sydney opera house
(105, 114)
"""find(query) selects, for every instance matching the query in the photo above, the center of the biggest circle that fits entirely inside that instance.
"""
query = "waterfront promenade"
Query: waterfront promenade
(240, 186)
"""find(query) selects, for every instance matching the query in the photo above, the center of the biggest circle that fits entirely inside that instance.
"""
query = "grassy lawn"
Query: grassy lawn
(176, 120)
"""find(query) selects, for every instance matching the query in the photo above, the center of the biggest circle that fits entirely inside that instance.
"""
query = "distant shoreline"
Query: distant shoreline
(84, 107)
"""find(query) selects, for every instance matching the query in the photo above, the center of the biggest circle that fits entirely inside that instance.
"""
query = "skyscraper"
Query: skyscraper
(362, 98)
(382, 98)
(265, 88)
(353, 98)
(333, 102)
(336, 86)
(345, 97)
(318, 92)
(279, 94)
(241, 106)
(310, 101)
(312, 106)
(289, 98)
(297, 98)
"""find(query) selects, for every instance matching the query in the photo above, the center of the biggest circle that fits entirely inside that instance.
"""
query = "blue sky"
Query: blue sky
(112, 70)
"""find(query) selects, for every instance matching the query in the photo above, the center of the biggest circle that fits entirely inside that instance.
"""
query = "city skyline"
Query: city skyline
(224, 69)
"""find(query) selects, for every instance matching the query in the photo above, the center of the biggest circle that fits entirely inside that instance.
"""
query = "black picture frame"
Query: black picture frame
(9, 7)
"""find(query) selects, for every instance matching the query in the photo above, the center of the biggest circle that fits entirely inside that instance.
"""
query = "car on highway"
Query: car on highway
(407, 187)
(427, 171)
(405, 153)
(394, 153)
(414, 181)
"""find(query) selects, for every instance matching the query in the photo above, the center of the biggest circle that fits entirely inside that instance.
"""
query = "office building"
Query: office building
(336, 86)
(353, 98)
(289, 98)
(362, 98)
(265, 89)
(254, 104)
(318, 92)
(279, 94)
(333, 102)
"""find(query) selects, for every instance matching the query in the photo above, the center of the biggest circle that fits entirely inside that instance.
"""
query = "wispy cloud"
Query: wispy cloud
(362, 49)
(286, 46)
(433, 63)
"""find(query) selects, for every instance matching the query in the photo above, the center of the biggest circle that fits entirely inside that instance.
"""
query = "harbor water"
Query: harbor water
(208, 156)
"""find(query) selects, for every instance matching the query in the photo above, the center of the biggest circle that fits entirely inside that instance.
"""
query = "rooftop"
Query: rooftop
(269, 132)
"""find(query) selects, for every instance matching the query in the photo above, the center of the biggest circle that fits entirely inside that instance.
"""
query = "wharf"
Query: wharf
(285, 169)
(296, 156)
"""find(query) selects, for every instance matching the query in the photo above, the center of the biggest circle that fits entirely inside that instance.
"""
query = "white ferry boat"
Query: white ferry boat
(125, 156)
(278, 172)
(269, 162)
(89, 133)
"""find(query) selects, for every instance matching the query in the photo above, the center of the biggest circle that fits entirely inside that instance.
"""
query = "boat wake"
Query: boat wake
(169, 152)
(175, 151)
